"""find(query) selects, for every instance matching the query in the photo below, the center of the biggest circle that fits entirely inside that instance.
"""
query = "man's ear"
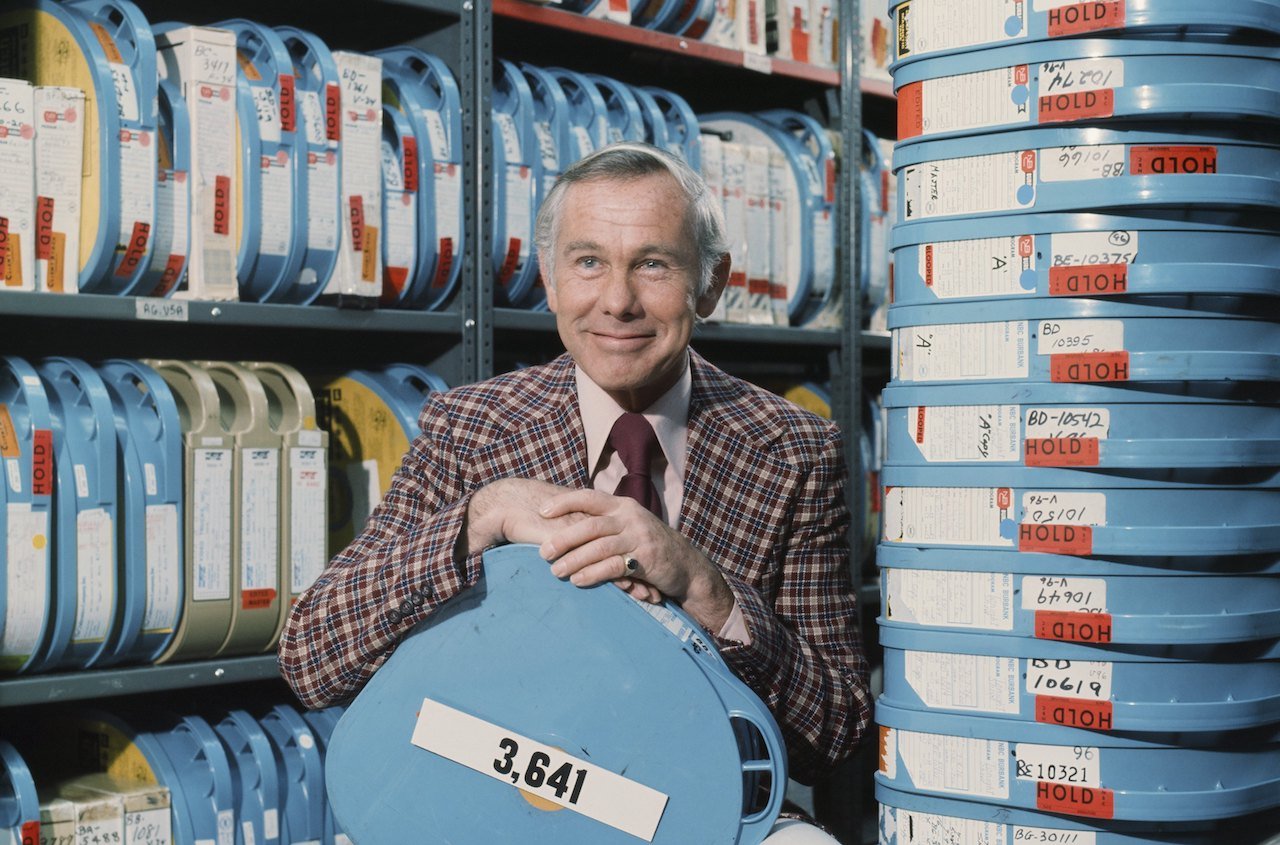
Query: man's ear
(719, 278)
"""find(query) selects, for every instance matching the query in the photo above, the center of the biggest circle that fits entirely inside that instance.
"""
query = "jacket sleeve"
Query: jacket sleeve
(399, 568)
(805, 657)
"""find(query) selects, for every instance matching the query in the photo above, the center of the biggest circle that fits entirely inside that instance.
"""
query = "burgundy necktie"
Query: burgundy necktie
(636, 444)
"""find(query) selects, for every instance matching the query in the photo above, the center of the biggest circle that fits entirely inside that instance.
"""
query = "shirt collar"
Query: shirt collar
(669, 416)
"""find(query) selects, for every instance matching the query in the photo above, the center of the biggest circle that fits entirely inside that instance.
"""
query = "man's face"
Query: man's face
(626, 266)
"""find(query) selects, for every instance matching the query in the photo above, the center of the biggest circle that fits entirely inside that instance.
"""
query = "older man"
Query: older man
(631, 460)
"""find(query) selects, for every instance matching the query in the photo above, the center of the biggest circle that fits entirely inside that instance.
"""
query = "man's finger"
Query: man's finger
(586, 501)
(577, 533)
(608, 550)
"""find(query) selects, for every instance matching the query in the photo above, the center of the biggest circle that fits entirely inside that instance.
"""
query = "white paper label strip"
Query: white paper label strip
(1081, 75)
(164, 572)
(541, 770)
(963, 681)
(945, 516)
(1073, 336)
(969, 433)
(1082, 679)
(95, 575)
(1068, 422)
(950, 599)
(913, 828)
(929, 27)
(1076, 765)
(1062, 508)
(1076, 595)
(210, 497)
(959, 352)
(972, 185)
(1083, 249)
(973, 100)
(26, 575)
(1047, 836)
(1070, 164)
(260, 519)
(979, 267)
(307, 515)
(955, 764)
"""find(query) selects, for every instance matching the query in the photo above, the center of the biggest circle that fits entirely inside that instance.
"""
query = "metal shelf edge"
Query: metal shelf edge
(443, 7)
(95, 683)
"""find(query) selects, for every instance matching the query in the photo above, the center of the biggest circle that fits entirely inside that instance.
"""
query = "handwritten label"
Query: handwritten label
(1055, 422)
(1081, 75)
(1064, 508)
(1049, 836)
(1072, 336)
(1073, 164)
(1086, 680)
(168, 310)
(1059, 592)
(1068, 764)
(1076, 249)
(757, 62)
(540, 770)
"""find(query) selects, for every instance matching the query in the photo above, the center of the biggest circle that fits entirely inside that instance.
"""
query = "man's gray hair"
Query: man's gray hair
(634, 160)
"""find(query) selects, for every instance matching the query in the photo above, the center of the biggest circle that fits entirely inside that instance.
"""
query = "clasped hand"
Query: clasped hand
(588, 536)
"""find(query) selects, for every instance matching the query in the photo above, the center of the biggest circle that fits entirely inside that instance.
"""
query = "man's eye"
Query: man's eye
(588, 263)
(652, 264)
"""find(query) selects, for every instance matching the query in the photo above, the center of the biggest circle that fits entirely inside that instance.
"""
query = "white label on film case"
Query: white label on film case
(1081, 75)
(934, 27)
(1073, 164)
(945, 599)
(1059, 592)
(542, 770)
(1076, 765)
(946, 516)
(260, 519)
(1055, 422)
(95, 575)
(26, 575)
(1081, 679)
(980, 267)
(210, 498)
(1060, 507)
(906, 827)
(963, 681)
(1049, 836)
(277, 204)
(974, 100)
(965, 351)
(954, 764)
(307, 514)
(969, 433)
(1083, 249)
(164, 570)
(1076, 336)
(969, 185)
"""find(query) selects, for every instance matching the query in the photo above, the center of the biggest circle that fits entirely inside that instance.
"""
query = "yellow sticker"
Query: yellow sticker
(57, 255)
(246, 65)
(13, 261)
(369, 265)
(9, 446)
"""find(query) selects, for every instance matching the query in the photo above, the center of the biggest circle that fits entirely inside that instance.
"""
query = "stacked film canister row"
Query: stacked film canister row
(237, 161)
(167, 510)
(170, 779)
(798, 30)
(1081, 521)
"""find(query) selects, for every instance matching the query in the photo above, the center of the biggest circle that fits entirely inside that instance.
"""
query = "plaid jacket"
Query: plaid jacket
(763, 498)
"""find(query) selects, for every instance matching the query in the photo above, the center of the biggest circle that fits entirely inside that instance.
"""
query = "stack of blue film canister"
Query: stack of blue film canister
(1081, 486)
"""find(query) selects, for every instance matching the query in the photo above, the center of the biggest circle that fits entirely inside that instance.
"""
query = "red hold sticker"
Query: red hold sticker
(1062, 452)
(511, 262)
(1077, 105)
(1088, 801)
(1090, 280)
(411, 165)
(356, 202)
(1083, 367)
(1172, 161)
(333, 113)
(44, 227)
(1074, 713)
(288, 103)
(1085, 17)
(42, 462)
(136, 248)
(1068, 627)
(1055, 538)
(444, 265)
(257, 599)
(222, 205)
(31, 833)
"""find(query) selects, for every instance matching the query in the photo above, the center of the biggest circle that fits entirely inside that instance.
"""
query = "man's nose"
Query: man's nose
(618, 296)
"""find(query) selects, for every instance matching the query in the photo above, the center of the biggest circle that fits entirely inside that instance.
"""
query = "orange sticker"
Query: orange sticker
(369, 265)
(778, 291)
(257, 599)
(920, 424)
(9, 446)
(393, 279)
(246, 67)
(1090, 280)
(1055, 538)
(910, 110)
(1074, 713)
(758, 287)
(928, 265)
(444, 265)
(1073, 800)
(1069, 627)
(1170, 160)
(13, 261)
(1062, 452)
(57, 263)
(1077, 105)
(108, 43)
(4, 250)
(1082, 367)
(885, 762)
(1086, 17)
(31, 833)
(799, 36)
(738, 280)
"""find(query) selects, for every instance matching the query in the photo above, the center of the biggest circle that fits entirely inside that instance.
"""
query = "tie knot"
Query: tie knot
(635, 442)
